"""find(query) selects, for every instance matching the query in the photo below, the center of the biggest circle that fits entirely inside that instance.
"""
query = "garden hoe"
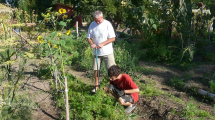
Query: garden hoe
(97, 67)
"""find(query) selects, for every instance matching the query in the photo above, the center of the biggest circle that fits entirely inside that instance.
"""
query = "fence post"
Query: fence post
(77, 28)
(56, 77)
(66, 99)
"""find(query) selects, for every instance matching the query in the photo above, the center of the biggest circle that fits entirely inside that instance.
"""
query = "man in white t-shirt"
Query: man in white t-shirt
(103, 35)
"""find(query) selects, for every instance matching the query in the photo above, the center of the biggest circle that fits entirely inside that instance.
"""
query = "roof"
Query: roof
(64, 5)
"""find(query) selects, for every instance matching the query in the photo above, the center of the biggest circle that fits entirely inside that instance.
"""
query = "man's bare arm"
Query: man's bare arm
(106, 42)
(92, 45)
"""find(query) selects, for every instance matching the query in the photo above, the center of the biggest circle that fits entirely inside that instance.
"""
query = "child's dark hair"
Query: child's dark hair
(114, 70)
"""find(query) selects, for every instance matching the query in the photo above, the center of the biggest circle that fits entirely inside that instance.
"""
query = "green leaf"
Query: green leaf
(54, 41)
(62, 42)
(191, 52)
(50, 8)
(59, 57)
(154, 26)
(53, 34)
(39, 21)
(62, 23)
(151, 21)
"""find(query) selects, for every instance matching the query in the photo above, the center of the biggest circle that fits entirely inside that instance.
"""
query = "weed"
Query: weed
(173, 112)
(212, 86)
(149, 90)
(145, 71)
(191, 111)
(177, 83)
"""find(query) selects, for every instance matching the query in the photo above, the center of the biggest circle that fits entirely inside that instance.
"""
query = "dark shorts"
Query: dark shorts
(126, 98)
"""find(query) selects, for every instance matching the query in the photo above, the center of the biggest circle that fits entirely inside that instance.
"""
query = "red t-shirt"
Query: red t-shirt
(126, 83)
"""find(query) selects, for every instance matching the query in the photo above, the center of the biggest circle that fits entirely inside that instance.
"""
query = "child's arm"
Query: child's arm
(132, 91)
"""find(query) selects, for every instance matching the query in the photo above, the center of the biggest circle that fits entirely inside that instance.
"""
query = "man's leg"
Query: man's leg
(96, 78)
(127, 100)
(109, 60)
(96, 67)
(114, 90)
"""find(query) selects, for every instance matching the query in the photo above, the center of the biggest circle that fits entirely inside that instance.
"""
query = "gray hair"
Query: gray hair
(97, 14)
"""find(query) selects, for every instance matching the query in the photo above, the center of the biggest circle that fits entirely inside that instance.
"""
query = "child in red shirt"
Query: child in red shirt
(123, 87)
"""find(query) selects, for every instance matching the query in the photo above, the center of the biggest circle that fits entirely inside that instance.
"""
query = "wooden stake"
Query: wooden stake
(77, 28)
(66, 99)
(56, 77)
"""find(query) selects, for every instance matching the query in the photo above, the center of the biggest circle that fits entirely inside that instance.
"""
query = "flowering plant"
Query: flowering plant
(52, 42)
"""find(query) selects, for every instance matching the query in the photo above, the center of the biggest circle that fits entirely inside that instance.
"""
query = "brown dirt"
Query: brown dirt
(38, 89)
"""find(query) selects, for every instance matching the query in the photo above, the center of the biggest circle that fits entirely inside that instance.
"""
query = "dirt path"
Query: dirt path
(38, 89)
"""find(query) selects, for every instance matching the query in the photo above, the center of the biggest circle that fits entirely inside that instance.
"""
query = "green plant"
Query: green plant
(190, 51)
(192, 111)
(83, 105)
(124, 59)
(212, 86)
(210, 57)
(177, 83)
(145, 71)
(149, 90)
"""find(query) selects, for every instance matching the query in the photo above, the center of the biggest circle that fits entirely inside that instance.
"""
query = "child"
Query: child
(123, 88)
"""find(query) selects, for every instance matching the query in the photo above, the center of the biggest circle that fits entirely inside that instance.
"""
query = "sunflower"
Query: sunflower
(68, 32)
(40, 39)
(59, 34)
(62, 11)
(64, 17)
(48, 15)
(55, 46)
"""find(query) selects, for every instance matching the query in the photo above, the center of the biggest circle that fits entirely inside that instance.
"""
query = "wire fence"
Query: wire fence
(61, 87)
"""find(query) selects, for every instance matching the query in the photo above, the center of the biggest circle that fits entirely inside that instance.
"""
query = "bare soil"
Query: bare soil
(38, 89)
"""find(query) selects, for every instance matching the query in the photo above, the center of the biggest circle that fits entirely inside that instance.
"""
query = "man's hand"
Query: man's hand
(121, 93)
(93, 46)
(100, 45)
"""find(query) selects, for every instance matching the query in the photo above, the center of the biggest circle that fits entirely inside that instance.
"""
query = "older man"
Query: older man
(103, 35)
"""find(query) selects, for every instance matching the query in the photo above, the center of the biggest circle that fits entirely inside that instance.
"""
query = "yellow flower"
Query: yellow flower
(64, 17)
(55, 46)
(48, 15)
(40, 39)
(59, 34)
(62, 11)
(50, 43)
(68, 32)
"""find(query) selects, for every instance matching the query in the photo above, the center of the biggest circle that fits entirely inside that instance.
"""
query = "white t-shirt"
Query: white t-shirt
(101, 33)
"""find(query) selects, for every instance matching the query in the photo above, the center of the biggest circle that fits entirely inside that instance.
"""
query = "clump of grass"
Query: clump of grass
(177, 83)
(212, 86)
(145, 71)
(149, 90)
(191, 112)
